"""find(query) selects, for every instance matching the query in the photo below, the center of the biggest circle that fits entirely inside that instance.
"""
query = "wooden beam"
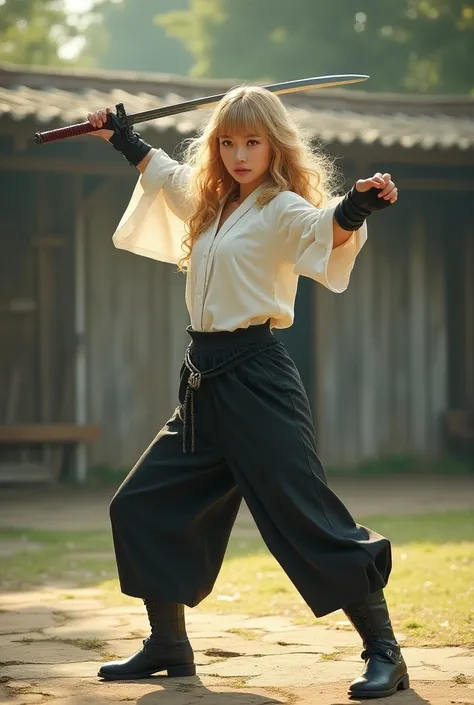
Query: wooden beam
(59, 164)
(396, 154)
(434, 184)
(49, 433)
(105, 169)
(48, 162)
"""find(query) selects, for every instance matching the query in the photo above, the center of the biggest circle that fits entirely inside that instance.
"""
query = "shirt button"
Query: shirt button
(204, 256)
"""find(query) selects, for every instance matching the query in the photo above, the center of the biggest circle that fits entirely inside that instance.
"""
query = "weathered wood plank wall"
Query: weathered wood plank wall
(381, 347)
(135, 337)
(36, 298)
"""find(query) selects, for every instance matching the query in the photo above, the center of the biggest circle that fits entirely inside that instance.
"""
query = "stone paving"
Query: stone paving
(51, 648)
(53, 639)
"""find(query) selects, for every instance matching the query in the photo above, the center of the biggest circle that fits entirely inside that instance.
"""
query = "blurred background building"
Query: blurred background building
(92, 338)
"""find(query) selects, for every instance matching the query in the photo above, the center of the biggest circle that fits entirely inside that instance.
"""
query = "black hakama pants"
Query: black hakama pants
(243, 430)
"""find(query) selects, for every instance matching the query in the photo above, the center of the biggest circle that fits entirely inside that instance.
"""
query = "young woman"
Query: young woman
(244, 217)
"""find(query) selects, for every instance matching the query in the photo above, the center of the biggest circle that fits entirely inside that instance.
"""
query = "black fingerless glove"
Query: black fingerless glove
(128, 142)
(356, 206)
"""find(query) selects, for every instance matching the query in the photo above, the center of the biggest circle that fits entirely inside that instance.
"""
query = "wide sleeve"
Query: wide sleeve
(153, 223)
(306, 237)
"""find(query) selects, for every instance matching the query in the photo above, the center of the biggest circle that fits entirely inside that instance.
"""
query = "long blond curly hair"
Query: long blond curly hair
(295, 166)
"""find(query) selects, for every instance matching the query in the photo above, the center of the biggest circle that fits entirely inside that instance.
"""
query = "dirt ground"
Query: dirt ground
(81, 508)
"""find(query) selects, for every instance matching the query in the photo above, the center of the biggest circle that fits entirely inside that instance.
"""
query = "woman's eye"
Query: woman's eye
(226, 143)
(253, 142)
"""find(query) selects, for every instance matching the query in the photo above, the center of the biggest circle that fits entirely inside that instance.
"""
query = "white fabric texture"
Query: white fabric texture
(247, 272)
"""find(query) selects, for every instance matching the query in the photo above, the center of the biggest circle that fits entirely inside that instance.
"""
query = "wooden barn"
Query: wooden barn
(92, 338)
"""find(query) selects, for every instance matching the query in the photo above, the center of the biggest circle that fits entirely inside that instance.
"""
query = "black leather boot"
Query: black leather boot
(166, 649)
(385, 670)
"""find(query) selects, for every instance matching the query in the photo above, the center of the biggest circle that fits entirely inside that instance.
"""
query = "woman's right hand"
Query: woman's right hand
(98, 119)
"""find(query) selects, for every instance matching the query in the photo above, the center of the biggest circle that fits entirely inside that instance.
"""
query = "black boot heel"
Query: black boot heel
(187, 669)
(404, 683)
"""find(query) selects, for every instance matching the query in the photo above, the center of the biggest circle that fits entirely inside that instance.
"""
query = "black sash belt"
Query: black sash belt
(196, 377)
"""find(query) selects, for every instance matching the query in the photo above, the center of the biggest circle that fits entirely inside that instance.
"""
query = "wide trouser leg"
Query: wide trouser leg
(270, 447)
(172, 518)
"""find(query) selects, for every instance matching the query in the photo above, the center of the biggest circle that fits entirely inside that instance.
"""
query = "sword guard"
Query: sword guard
(122, 118)
(118, 122)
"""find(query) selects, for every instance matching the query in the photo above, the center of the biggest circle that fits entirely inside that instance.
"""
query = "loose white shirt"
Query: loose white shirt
(247, 272)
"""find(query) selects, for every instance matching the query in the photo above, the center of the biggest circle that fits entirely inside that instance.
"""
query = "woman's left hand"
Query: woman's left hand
(388, 190)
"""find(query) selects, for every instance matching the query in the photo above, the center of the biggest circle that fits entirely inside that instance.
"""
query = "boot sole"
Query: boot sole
(188, 669)
(402, 684)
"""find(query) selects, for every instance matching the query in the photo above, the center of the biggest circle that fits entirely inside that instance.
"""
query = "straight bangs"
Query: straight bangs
(241, 117)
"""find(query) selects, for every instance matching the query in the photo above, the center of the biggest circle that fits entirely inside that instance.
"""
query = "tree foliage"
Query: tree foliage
(31, 31)
(126, 36)
(423, 46)
(404, 45)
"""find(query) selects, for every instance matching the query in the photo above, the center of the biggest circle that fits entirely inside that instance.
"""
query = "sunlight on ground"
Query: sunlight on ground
(430, 594)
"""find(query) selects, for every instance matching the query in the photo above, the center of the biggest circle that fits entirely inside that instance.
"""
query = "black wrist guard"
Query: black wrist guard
(356, 206)
(128, 142)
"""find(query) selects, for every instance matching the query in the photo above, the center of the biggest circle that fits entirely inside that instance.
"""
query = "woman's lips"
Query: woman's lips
(241, 170)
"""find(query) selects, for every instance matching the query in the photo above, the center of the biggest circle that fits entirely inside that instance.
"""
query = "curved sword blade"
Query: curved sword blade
(302, 84)
(316, 82)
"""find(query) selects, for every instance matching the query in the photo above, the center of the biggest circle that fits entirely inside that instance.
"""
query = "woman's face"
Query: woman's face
(247, 158)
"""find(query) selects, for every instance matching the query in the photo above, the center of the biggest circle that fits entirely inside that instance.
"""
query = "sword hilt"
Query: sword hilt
(84, 128)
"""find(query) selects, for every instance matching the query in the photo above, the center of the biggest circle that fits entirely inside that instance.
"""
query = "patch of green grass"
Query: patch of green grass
(333, 656)
(255, 634)
(99, 475)
(56, 559)
(339, 654)
(68, 540)
(87, 643)
(430, 593)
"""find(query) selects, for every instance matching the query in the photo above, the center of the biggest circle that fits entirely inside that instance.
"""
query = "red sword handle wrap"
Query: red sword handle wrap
(63, 133)
(82, 128)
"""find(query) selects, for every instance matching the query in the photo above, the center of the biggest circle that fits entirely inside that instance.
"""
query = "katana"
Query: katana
(126, 121)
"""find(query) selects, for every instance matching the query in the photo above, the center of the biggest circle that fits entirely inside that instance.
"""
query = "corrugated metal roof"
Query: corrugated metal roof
(55, 98)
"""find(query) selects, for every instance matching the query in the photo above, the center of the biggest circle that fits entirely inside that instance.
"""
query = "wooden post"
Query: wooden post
(469, 317)
(416, 335)
(45, 329)
(45, 298)
(80, 324)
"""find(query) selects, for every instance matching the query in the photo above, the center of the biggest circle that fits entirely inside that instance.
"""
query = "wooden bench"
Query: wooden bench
(53, 438)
